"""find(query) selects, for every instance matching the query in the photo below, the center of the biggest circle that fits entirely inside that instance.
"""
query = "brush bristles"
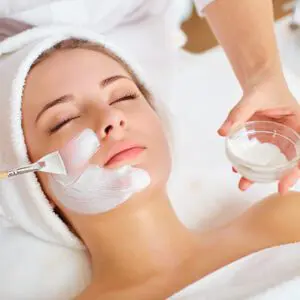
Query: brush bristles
(53, 163)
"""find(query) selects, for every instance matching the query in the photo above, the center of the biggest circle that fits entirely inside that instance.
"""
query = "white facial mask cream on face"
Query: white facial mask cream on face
(90, 189)
(99, 190)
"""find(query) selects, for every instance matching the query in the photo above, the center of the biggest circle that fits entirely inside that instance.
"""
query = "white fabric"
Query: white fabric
(103, 14)
(31, 269)
(296, 14)
(289, 288)
(148, 28)
(247, 277)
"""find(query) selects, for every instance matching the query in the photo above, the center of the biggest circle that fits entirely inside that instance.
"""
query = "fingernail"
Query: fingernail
(221, 132)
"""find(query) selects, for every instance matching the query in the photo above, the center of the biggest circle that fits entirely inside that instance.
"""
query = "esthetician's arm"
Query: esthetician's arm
(245, 30)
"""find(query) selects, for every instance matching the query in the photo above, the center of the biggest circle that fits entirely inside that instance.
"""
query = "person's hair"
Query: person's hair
(70, 44)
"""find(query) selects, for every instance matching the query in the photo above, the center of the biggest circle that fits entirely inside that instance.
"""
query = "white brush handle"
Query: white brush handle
(23, 170)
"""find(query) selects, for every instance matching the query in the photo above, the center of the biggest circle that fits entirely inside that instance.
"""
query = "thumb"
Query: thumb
(240, 114)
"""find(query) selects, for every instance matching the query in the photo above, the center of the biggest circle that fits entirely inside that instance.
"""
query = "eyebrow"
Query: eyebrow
(68, 98)
(104, 83)
(60, 100)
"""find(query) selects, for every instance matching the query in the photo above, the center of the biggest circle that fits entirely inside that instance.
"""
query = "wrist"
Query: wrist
(260, 73)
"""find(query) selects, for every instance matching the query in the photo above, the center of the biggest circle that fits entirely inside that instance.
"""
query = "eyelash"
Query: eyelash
(61, 124)
(130, 96)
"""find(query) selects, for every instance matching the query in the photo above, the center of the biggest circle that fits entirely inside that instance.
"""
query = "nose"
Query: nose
(113, 124)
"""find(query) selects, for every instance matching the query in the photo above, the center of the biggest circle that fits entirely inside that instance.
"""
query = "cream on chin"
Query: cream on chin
(98, 190)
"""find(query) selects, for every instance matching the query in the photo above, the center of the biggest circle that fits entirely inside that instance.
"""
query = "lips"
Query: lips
(123, 152)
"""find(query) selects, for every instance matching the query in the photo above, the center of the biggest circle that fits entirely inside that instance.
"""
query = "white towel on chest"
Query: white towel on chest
(31, 269)
(256, 277)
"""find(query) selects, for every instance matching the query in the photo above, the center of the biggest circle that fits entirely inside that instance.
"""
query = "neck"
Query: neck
(138, 240)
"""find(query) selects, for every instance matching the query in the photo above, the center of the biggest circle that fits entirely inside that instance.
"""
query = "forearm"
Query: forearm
(245, 30)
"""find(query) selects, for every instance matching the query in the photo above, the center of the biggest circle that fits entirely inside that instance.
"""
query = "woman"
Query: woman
(139, 250)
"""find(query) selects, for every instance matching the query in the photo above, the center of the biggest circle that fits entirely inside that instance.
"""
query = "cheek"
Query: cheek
(159, 158)
(162, 152)
(33, 146)
(36, 146)
(36, 150)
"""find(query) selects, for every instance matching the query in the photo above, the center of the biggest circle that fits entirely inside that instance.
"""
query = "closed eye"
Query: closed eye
(131, 96)
(58, 126)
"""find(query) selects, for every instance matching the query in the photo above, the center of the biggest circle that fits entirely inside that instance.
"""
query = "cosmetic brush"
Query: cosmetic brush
(69, 159)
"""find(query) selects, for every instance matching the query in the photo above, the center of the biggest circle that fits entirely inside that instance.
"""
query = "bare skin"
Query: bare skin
(272, 222)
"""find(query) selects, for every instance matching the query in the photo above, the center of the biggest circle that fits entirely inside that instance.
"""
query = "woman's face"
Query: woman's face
(76, 89)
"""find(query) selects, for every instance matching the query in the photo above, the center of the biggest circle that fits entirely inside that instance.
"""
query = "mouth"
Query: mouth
(122, 154)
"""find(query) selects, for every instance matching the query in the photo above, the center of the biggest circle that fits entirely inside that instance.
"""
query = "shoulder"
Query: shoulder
(276, 218)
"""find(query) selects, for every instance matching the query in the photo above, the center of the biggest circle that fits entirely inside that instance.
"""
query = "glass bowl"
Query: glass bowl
(263, 151)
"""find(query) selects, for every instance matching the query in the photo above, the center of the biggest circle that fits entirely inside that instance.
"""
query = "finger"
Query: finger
(288, 181)
(240, 114)
(244, 184)
(225, 128)
(234, 170)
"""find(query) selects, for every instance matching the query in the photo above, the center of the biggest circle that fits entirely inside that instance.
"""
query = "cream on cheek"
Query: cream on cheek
(93, 189)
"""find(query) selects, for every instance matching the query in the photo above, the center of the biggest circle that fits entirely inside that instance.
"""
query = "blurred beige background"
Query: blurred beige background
(196, 27)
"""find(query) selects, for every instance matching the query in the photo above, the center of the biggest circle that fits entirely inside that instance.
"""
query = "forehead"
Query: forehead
(68, 70)
(73, 62)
